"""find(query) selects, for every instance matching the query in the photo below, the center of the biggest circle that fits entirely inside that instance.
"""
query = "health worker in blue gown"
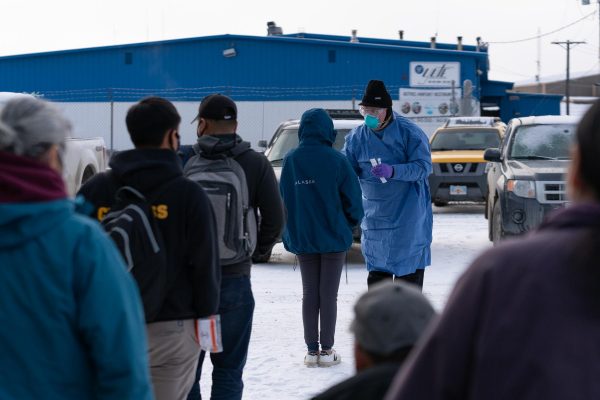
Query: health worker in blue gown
(392, 159)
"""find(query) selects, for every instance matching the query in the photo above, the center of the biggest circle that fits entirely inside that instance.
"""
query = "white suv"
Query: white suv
(285, 137)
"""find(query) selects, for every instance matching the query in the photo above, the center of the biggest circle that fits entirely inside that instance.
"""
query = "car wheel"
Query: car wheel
(440, 203)
(497, 231)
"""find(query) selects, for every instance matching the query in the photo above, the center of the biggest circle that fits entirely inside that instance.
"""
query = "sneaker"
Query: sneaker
(327, 358)
(311, 359)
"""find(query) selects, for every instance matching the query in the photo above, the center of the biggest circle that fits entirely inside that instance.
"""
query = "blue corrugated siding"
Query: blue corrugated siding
(280, 68)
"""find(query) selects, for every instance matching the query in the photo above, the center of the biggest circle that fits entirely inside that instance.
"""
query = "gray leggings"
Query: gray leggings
(320, 283)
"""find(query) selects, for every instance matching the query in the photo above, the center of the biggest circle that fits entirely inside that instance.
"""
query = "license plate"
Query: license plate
(458, 190)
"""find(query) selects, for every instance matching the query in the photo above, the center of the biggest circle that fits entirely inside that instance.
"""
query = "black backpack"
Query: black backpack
(133, 228)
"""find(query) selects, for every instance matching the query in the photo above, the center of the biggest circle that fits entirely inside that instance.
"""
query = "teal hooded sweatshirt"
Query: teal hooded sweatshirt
(71, 318)
(320, 190)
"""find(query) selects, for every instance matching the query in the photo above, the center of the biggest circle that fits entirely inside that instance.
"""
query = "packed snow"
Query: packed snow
(275, 368)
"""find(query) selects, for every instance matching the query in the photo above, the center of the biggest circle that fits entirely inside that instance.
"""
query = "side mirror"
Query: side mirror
(492, 155)
(262, 143)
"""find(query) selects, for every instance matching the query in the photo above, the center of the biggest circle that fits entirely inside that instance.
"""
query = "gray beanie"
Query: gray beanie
(390, 316)
(29, 125)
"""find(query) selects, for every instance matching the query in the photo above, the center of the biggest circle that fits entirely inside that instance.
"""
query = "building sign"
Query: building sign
(434, 74)
(429, 102)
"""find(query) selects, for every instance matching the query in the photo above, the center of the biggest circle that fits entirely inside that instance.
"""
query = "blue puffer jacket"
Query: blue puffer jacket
(320, 191)
(396, 229)
(71, 319)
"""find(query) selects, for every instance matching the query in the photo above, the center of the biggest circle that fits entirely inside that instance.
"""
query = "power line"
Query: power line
(547, 33)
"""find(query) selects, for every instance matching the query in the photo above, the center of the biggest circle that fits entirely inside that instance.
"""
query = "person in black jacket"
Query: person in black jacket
(185, 219)
(217, 125)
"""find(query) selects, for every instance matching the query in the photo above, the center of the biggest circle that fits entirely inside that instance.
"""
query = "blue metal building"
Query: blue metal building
(272, 78)
(248, 68)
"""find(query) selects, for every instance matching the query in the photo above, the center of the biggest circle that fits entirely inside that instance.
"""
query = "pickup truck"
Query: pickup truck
(526, 175)
(459, 170)
(83, 157)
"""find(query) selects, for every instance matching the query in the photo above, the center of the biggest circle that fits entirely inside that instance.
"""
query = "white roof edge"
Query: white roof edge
(548, 119)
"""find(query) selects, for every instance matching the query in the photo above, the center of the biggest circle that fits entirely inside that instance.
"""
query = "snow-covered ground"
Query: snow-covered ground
(275, 368)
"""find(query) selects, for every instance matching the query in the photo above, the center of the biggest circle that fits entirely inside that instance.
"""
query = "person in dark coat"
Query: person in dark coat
(217, 137)
(322, 197)
(185, 219)
(389, 319)
(523, 322)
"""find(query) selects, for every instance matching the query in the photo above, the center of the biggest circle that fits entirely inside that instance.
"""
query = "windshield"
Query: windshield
(471, 139)
(542, 141)
(287, 139)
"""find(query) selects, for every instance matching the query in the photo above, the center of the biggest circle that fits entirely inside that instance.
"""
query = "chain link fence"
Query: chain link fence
(101, 112)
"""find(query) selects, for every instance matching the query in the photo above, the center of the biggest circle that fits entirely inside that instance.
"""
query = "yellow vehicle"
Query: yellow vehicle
(459, 170)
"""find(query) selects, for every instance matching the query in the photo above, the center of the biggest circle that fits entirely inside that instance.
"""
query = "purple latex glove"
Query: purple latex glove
(383, 171)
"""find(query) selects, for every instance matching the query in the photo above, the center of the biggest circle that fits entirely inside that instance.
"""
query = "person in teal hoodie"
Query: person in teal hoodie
(71, 319)
(322, 198)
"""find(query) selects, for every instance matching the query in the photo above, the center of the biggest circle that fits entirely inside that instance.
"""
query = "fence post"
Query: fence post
(112, 112)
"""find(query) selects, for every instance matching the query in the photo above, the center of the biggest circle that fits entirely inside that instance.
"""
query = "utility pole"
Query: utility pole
(567, 45)
(539, 59)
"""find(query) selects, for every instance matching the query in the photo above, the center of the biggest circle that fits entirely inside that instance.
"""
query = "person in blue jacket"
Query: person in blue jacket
(392, 157)
(322, 198)
(71, 318)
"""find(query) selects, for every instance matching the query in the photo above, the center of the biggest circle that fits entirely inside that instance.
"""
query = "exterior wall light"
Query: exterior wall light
(229, 52)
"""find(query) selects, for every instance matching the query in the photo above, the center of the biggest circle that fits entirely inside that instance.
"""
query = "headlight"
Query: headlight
(521, 188)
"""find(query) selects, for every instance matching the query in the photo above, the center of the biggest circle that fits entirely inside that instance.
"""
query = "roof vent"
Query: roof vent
(433, 42)
(459, 45)
(273, 29)
(401, 34)
(354, 38)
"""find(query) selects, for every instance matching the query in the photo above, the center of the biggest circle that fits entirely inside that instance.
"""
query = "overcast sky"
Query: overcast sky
(43, 25)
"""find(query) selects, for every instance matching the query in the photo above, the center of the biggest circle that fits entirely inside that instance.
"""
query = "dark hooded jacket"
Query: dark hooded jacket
(522, 323)
(184, 216)
(320, 190)
(262, 191)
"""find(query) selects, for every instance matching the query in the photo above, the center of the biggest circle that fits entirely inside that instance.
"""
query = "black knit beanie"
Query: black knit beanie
(376, 95)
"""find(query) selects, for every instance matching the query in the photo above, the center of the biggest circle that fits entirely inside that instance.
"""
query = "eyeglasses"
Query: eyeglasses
(371, 111)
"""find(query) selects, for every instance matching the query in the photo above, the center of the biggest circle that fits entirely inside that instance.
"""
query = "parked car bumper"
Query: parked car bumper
(476, 187)
(520, 215)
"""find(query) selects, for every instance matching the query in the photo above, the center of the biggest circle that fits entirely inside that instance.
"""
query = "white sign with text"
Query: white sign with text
(429, 102)
(434, 74)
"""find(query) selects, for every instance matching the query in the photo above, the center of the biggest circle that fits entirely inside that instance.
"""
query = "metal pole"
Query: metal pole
(112, 119)
(568, 45)
(567, 82)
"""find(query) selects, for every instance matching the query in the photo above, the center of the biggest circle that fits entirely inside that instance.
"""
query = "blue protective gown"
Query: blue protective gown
(396, 228)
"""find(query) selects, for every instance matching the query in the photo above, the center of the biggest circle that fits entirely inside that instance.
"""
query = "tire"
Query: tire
(497, 230)
(440, 203)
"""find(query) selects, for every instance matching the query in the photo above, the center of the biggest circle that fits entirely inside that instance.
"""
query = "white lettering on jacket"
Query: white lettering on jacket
(305, 182)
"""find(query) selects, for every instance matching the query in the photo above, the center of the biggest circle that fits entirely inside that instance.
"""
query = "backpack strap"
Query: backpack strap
(119, 184)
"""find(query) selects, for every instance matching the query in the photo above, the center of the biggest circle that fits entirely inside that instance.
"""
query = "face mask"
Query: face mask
(371, 121)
